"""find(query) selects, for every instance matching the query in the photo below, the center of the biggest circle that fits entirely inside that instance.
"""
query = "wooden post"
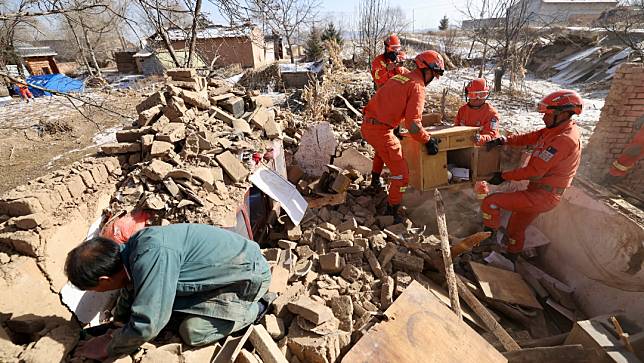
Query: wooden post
(447, 256)
(495, 328)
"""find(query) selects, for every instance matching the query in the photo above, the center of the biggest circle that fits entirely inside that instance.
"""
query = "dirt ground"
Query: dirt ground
(50, 132)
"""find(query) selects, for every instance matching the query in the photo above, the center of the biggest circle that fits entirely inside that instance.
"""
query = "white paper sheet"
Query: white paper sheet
(281, 190)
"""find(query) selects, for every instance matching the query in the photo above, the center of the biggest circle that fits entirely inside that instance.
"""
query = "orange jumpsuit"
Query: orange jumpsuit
(401, 98)
(380, 73)
(485, 117)
(550, 170)
(632, 153)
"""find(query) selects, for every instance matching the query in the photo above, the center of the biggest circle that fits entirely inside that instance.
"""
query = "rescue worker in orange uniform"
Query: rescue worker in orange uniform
(401, 98)
(550, 170)
(386, 65)
(477, 112)
(632, 153)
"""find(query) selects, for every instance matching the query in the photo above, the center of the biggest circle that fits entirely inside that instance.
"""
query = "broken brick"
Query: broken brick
(351, 273)
(156, 170)
(171, 132)
(331, 263)
(161, 148)
(233, 166)
(324, 233)
(373, 263)
(155, 99)
(195, 99)
(75, 186)
(31, 221)
(342, 308)
(387, 292)
(233, 105)
(408, 262)
(274, 326)
(387, 254)
(310, 310)
(272, 129)
(120, 148)
(150, 115)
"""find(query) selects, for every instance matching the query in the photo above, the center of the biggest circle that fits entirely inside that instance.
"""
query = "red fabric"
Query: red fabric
(525, 206)
(632, 153)
(485, 117)
(121, 229)
(380, 73)
(388, 151)
(555, 157)
(25, 92)
(402, 98)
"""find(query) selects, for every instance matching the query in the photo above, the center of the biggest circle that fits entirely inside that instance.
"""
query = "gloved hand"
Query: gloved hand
(432, 146)
(391, 66)
(496, 179)
(495, 142)
(397, 133)
(476, 138)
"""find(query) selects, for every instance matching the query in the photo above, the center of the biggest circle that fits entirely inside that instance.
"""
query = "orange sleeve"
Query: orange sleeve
(459, 117)
(539, 165)
(530, 138)
(414, 114)
(379, 71)
(490, 128)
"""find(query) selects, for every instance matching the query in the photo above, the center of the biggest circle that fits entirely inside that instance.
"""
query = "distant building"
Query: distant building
(156, 61)
(223, 45)
(38, 60)
(481, 23)
(562, 12)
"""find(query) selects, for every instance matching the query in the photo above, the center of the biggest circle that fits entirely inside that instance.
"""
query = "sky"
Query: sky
(422, 14)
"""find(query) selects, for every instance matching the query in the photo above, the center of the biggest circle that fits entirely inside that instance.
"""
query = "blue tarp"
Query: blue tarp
(54, 82)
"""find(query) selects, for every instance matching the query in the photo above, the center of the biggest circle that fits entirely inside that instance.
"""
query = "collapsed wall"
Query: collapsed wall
(621, 118)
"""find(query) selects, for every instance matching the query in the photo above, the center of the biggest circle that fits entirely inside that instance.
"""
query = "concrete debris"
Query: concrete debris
(316, 148)
(310, 310)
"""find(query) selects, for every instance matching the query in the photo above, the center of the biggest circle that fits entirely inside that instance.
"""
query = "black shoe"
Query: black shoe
(264, 303)
(392, 210)
(375, 180)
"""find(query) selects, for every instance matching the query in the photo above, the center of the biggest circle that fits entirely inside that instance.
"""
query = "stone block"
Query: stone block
(53, 347)
(310, 310)
(86, 175)
(259, 117)
(222, 115)
(23, 206)
(156, 170)
(387, 254)
(241, 126)
(387, 292)
(233, 105)
(325, 233)
(121, 148)
(196, 99)
(347, 225)
(100, 174)
(263, 101)
(373, 263)
(351, 273)
(342, 308)
(149, 116)
(235, 169)
(293, 292)
(265, 346)
(132, 135)
(331, 263)
(76, 186)
(175, 110)
(181, 73)
(31, 221)
(274, 326)
(313, 348)
(161, 148)
(408, 262)
(272, 129)
(25, 242)
(155, 99)
(61, 189)
(171, 132)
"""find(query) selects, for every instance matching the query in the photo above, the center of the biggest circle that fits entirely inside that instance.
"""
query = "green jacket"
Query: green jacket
(191, 268)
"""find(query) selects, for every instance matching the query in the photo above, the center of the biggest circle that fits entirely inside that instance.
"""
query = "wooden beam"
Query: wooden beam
(574, 353)
(494, 327)
(447, 256)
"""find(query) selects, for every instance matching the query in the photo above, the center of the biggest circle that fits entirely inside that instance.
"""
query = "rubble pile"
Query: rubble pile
(192, 147)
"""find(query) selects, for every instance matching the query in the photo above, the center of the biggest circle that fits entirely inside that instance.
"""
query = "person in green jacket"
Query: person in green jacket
(214, 279)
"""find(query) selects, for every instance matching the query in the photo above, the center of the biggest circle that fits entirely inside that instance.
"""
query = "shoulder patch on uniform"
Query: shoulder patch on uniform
(493, 122)
(400, 78)
(548, 153)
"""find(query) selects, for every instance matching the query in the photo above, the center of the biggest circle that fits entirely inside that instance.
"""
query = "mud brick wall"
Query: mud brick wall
(620, 118)
(28, 210)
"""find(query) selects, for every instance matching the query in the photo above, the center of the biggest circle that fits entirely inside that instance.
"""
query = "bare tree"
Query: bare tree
(377, 19)
(193, 31)
(621, 21)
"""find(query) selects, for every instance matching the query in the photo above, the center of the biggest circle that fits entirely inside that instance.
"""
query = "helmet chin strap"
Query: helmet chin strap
(556, 122)
(424, 70)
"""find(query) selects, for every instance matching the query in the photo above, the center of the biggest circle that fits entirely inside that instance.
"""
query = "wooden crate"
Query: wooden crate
(427, 172)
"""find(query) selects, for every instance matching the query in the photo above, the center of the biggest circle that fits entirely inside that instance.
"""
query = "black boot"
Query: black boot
(375, 180)
(392, 210)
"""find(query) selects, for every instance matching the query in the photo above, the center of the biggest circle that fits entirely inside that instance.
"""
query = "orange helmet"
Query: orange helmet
(477, 89)
(392, 43)
(562, 100)
(431, 60)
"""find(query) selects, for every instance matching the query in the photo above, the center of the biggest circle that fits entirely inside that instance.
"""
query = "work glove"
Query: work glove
(397, 133)
(495, 142)
(496, 179)
(432, 146)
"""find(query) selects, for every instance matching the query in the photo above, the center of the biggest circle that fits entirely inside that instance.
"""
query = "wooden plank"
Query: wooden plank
(421, 329)
(441, 294)
(487, 162)
(411, 153)
(447, 257)
(488, 319)
(593, 335)
(503, 285)
(574, 353)
(440, 131)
